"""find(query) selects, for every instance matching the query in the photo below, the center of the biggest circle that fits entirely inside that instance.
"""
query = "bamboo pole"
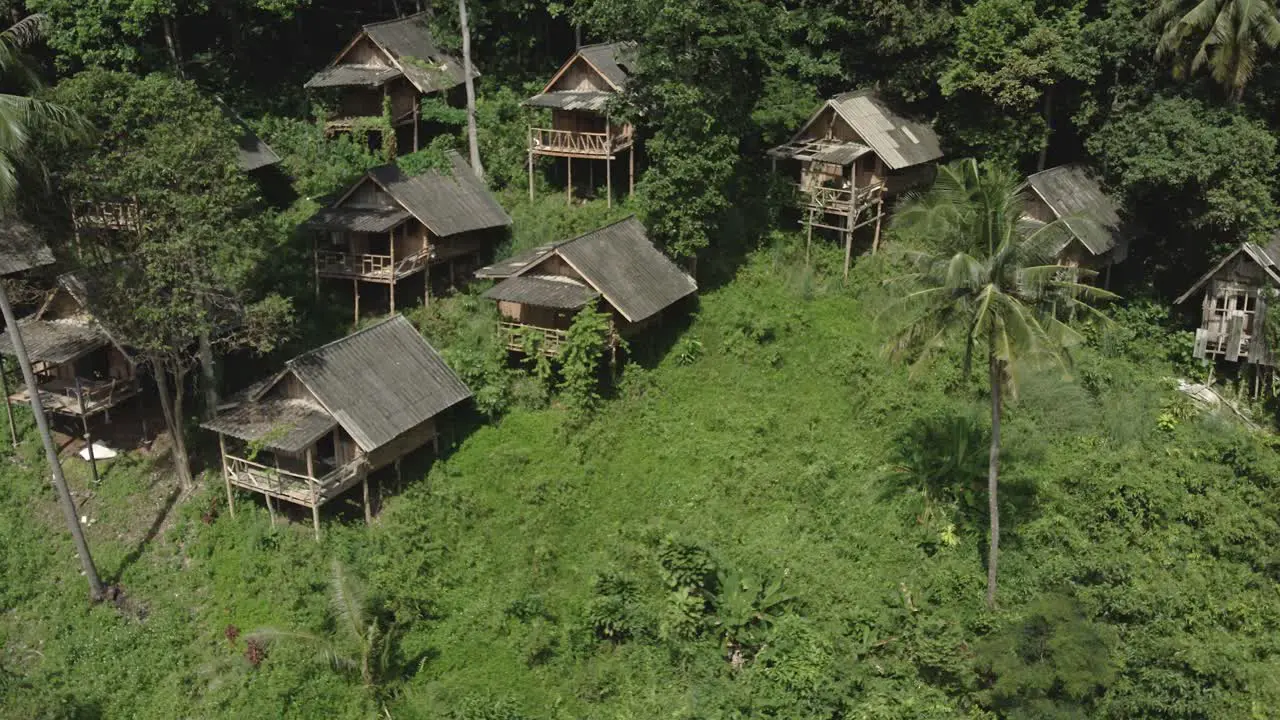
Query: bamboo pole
(355, 290)
(417, 120)
(608, 180)
(391, 238)
(271, 510)
(631, 171)
(88, 439)
(315, 492)
(568, 189)
(8, 407)
(530, 162)
(368, 514)
(226, 475)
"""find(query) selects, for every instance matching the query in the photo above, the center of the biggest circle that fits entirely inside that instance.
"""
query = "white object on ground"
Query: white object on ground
(100, 452)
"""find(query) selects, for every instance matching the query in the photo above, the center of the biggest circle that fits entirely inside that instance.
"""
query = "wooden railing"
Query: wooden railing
(548, 340)
(578, 143)
(840, 201)
(86, 397)
(380, 266)
(95, 215)
(288, 485)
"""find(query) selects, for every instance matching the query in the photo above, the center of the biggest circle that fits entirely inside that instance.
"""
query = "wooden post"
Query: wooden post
(315, 261)
(88, 439)
(368, 514)
(8, 408)
(531, 162)
(226, 475)
(355, 290)
(569, 185)
(315, 491)
(875, 242)
(608, 180)
(848, 253)
(398, 478)
(808, 240)
(271, 510)
(417, 120)
(391, 238)
(631, 172)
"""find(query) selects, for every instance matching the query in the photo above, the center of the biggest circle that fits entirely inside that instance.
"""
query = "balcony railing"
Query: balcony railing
(293, 486)
(368, 266)
(85, 397)
(92, 215)
(586, 144)
(839, 201)
(519, 336)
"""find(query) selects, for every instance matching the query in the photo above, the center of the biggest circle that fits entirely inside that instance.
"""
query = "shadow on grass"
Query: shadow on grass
(158, 522)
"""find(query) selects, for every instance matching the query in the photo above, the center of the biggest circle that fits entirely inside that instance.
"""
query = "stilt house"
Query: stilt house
(1073, 195)
(387, 69)
(336, 414)
(615, 269)
(82, 370)
(581, 128)
(852, 155)
(390, 227)
(1234, 305)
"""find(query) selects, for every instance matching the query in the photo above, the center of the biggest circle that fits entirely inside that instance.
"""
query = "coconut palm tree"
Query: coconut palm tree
(987, 278)
(20, 118)
(1224, 35)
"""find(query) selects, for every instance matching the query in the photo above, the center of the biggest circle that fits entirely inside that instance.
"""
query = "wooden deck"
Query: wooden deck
(567, 143)
(374, 268)
(294, 487)
(840, 201)
(551, 339)
(60, 396)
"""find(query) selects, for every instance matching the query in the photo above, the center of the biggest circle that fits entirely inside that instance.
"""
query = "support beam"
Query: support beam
(568, 187)
(88, 438)
(608, 181)
(315, 491)
(271, 509)
(355, 291)
(226, 475)
(417, 120)
(631, 172)
(368, 514)
(391, 240)
(530, 163)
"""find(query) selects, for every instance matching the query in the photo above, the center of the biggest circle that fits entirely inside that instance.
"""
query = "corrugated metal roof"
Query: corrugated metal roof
(286, 424)
(353, 75)
(447, 205)
(615, 61)
(254, 153)
(841, 154)
(359, 219)
(590, 100)
(513, 265)
(409, 42)
(1077, 199)
(56, 341)
(899, 142)
(633, 275)
(21, 247)
(380, 382)
(544, 291)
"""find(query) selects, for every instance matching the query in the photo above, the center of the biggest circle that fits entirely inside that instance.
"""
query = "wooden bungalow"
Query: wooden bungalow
(578, 97)
(1070, 193)
(615, 269)
(852, 155)
(1234, 305)
(390, 226)
(334, 415)
(81, 369)
(388, 67)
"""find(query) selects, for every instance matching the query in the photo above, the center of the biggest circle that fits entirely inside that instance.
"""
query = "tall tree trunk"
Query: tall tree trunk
(577, 36)
(993, 477)
(51, 452)
(1048, 129)
(171, 407)
(472, 140)
(171, 43)
(208, 377)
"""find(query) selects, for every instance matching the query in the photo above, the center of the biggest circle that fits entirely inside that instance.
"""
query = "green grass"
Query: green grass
(783, 450)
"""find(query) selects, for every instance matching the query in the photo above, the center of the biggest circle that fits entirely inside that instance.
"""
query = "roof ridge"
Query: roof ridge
(576, 238)
(392, 20)
(344, 338)
(604, 44)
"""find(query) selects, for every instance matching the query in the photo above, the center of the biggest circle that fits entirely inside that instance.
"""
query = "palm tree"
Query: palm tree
(361, 643)
(20, 117)
(1225, 35)
(988, 278)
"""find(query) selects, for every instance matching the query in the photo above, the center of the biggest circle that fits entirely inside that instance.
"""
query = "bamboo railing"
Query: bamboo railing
(570, 142)
(343, 264)
(550, 340)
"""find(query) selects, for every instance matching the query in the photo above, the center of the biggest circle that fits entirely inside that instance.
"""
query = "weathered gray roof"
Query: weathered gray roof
(899, 142)
(254, 153)
(286, 424)
(408, 40)
(353, 75)
(446, 204)
(615, 61)
(56, 341)
(359, 219)
(21, 247)
(1076, 197)
(1267, 258)
(380, 382)
(633, 275)
(516, 263)
(543, 291)
(590, 100)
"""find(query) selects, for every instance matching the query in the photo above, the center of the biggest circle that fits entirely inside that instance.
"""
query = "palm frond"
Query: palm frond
(347, 602)
(26, 31)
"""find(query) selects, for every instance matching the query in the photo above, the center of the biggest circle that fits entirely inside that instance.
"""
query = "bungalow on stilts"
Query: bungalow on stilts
(390, 227)
(1072, 194)
(581, 128)
(615, 269)
(852, 155)
(334, 415)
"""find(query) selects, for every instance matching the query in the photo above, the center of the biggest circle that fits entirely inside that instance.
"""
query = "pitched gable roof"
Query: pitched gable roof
(21, 247)
(413, 52)
(898, 141)
(620, 263)
(447, 204)
(1075, 196)
(1267, 258)
(56, 341)
(379, 382)
(254, 153)
(613, 62)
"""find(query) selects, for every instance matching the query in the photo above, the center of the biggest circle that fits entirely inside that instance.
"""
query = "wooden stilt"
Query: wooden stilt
(530, 174)
(226, 475)
(398, 476)
(88, 439)
(591, 178)
(848, 253)
(271, 509)
(808, 240)
(315, 491)
(417, 120)
(1106, 279)
(568, 187)
(631, 171)
(875, 242)
(608, 181)
(355, 291)
(368, 513)
(391, 238)
(315, 262)
(8, 408)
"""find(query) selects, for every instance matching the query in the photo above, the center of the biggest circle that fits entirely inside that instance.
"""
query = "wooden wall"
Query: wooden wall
(365, 52)
(402, 445)
(411, 238)
(581, 77)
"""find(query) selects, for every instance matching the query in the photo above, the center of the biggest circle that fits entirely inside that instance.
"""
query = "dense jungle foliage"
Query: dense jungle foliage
(758, 514)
